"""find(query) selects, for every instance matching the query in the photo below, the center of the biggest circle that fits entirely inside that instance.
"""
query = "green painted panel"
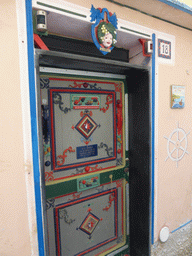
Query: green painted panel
(60, 189)
(67, 187)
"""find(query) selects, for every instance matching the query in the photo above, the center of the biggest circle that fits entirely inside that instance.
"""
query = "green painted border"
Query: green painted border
(61, 9)
(67, 187)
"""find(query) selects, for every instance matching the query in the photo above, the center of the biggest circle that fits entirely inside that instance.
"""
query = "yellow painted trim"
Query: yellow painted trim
(82, 176)
(124, 223)
(187, 2)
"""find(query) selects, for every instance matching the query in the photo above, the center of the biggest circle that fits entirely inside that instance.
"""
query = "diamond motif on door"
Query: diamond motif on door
(86, 126)
(89, 224)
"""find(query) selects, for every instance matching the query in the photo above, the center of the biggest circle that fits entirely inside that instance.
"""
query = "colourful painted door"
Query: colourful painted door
(84, 165)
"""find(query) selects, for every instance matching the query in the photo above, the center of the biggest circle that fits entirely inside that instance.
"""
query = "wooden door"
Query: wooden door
(84, 164)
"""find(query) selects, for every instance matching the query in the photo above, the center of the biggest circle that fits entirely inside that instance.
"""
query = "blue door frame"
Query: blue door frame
(34, 130)
(153, 139)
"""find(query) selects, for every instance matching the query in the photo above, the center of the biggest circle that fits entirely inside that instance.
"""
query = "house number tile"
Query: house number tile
(164, 49)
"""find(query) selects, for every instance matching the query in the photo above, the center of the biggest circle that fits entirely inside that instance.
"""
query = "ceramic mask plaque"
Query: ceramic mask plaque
(103, 31)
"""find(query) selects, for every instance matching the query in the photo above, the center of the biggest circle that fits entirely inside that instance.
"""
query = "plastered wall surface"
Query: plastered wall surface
(14, 227)
(173, 184)
(179, 243)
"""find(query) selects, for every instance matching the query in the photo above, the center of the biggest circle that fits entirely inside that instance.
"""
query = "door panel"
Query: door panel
(84, 161)
(83, 126)
(91, 222)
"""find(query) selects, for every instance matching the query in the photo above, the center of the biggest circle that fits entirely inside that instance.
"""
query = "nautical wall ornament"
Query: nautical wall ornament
(103, 32)
(177, 144)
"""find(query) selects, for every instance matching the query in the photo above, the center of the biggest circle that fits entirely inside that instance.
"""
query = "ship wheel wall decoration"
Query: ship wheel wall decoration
(177, 144)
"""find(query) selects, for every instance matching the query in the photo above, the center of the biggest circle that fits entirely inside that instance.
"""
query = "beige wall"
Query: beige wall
(14, 227)
(174, 198)
(173, 185)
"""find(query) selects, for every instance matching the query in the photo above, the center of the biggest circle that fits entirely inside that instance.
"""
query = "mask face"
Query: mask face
(107, 41)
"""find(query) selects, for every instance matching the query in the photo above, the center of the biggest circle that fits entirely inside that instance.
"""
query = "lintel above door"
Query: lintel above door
(69, 61)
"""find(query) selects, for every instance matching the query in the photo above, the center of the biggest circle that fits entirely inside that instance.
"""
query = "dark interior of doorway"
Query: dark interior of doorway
(139, 135)
(84, 48)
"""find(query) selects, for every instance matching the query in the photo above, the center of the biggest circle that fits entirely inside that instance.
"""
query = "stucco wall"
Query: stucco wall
(14, 228)
(173, 197)
(173, 184)
(174, 193)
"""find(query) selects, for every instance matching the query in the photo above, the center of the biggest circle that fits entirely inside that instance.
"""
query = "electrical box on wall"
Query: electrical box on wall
(148, 47)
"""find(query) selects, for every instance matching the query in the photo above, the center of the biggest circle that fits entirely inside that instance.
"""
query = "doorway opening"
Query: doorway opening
(139, 146)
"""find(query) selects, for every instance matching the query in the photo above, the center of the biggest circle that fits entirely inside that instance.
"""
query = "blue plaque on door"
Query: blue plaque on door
(86, 151)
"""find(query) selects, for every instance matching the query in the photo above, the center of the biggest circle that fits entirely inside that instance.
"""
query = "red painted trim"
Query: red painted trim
(52, 130)
(91, 249)
(80, 90)
(49, 176)
(85, 107)
(39, 42)
(84, 164)
(78, 80)
(57, 231)
(108, 101)
(77, 192)
(106, 250)
(62, 157)
(72, 193)
(122, 211)
(142, 41)
(87, 198)
(115, 126)
(116, 213)
(111, 199)
(122, 129)
(120, 185)
(80, 174)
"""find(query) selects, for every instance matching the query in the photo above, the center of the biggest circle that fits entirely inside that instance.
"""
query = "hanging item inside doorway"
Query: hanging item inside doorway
(103, 32)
